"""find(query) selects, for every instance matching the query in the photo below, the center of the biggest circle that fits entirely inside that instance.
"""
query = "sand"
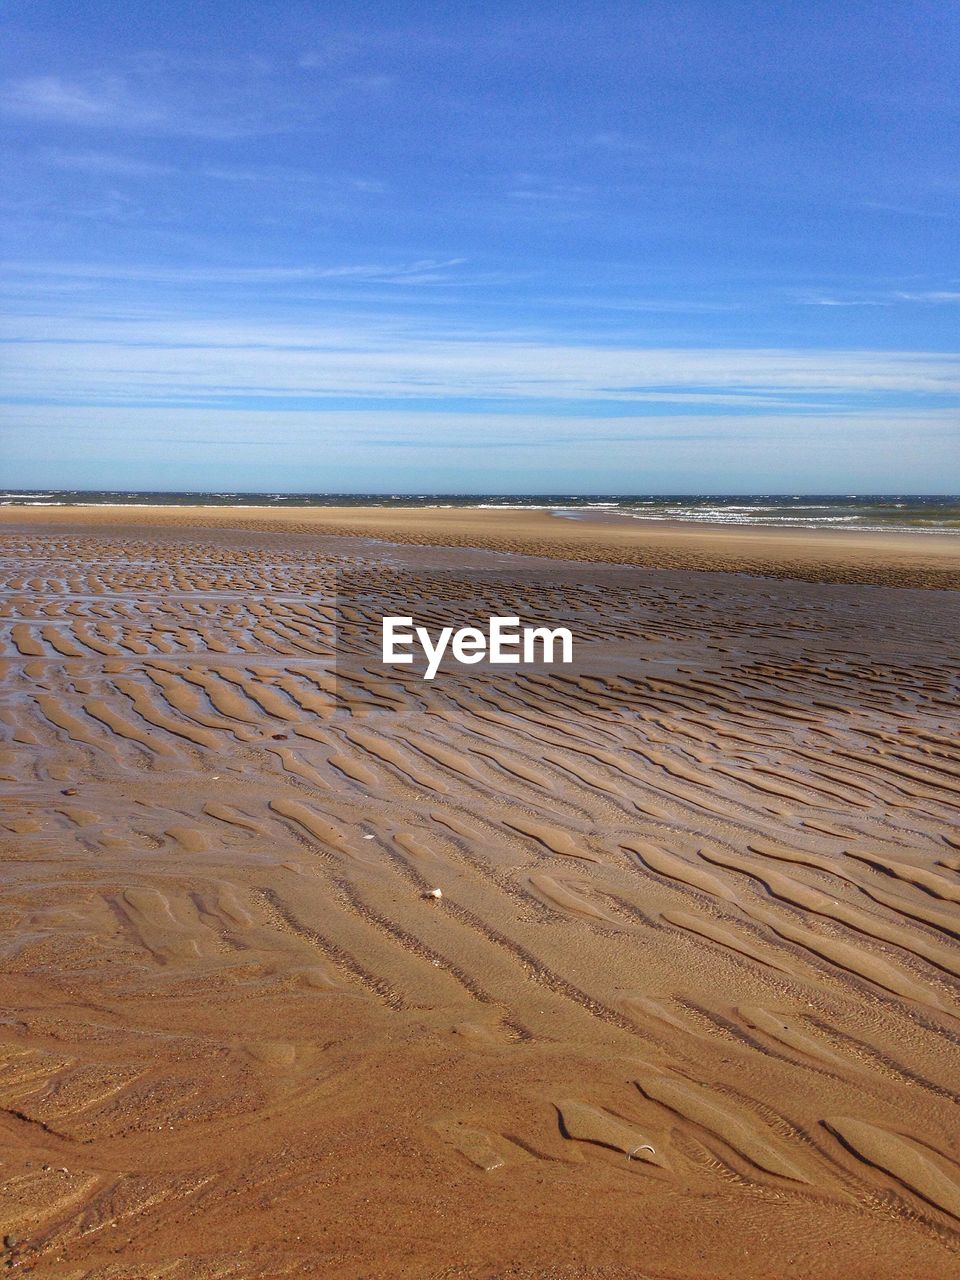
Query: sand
(920, 559)
(686, 1006)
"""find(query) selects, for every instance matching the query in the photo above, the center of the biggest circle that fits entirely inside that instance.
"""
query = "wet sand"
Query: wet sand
(905, 559)
(687, 1005)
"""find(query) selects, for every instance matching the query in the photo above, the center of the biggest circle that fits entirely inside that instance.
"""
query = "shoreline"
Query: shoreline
(586, 513)
(884, 558)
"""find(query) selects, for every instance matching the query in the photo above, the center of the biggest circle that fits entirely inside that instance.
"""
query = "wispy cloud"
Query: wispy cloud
(372, 82)
(421, 270)
(260, 174)
(169, 360)
(931, 295)
(825, 300)
(64, 102)
(112, 164)
(611, 140)
(111, 102)
(108, 164)
(333, 51)
(528, 188)
(885, 298)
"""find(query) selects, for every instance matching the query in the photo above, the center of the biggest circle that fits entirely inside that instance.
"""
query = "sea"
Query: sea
(901, 513)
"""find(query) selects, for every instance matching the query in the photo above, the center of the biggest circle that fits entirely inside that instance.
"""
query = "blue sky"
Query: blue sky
(671, 247)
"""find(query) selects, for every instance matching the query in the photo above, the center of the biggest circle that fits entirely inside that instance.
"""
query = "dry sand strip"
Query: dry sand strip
(887, 559)
(687, 1006)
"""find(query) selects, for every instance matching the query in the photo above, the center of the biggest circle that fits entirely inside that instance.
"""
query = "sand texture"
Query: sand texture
(685, 1009)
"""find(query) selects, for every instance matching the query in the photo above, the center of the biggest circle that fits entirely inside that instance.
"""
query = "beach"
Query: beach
(685, 1006)
(894, 559)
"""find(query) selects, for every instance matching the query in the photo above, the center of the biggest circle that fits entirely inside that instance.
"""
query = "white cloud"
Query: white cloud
(166, 360)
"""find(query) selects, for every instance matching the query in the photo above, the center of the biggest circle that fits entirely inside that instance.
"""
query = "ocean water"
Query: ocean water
(916, 513)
